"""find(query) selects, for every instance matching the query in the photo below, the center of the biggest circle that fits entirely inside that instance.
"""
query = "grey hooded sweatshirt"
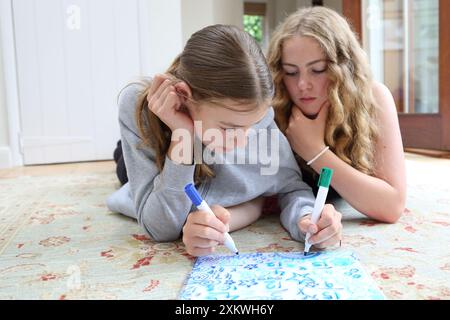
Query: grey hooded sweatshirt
(157, 199)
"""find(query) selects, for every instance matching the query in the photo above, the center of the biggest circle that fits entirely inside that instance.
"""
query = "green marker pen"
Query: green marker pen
(323, 184)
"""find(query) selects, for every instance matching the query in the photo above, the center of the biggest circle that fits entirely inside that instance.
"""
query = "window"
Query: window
(255, 21)
(408, 45)
(402, 40)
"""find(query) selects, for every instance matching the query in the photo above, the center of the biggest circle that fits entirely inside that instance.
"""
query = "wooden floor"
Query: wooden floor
(58, 169)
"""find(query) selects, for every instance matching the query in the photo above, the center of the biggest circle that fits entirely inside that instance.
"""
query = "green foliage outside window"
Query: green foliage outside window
(254, 26)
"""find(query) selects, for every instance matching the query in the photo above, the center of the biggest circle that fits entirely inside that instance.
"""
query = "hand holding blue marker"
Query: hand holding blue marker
(197, 200)
(323, 184)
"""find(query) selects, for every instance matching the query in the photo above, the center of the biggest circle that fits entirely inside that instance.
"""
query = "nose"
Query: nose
(303, 83)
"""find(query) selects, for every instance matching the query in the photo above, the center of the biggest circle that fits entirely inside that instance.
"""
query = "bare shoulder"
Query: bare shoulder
(384, 100)
(390, 163)
(389, 139)
(381, 93)
(379, 88)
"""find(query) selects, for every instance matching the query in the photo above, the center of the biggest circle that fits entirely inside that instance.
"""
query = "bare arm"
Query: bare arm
(245, 214)
(381, 197)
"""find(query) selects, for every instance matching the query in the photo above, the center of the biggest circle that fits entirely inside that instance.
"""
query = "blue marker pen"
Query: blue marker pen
(197, 200)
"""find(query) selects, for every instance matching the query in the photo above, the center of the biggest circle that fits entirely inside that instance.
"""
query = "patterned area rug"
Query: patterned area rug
(59, 241)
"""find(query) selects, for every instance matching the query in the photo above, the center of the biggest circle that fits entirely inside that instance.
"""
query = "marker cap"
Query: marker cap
(193, 194)
(325, 177)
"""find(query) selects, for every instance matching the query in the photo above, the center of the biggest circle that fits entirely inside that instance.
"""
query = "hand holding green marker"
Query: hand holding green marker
(323, 184)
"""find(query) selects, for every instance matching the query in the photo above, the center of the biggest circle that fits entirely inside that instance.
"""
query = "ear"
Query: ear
(183, 89)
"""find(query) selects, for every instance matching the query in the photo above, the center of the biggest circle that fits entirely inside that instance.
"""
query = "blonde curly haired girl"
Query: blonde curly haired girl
(334, 114)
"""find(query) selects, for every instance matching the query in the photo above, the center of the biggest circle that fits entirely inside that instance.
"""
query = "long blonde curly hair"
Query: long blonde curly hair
(351, 127)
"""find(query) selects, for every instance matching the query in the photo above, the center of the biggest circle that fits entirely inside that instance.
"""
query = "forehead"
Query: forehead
(301, 49)
(230, 111)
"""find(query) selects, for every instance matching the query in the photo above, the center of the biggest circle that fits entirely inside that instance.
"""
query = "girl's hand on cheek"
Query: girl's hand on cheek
(165, 102)
(306, 136)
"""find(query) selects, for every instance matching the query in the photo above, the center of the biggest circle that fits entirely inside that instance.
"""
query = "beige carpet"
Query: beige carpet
(58, 241)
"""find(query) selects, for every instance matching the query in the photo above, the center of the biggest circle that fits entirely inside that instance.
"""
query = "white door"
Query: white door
(72, 59)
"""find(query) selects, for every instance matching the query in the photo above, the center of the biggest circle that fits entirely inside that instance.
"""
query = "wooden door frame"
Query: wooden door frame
(444, 74)
(426, 131)
(352, 11)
